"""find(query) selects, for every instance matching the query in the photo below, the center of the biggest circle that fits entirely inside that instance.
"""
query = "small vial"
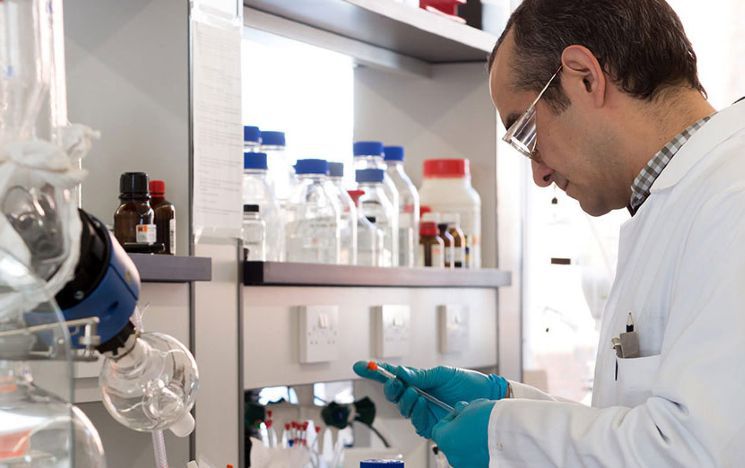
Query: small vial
(431, 246)
(165, 216)
(254, 234)
(459, 246)
(449, 243)
(134, 219)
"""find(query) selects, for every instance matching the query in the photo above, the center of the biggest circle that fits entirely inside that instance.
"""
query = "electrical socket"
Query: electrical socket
(319, 330)
(392, 330)
(454, 328)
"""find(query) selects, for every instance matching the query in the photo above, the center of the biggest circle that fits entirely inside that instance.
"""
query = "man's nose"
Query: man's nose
(542, 174)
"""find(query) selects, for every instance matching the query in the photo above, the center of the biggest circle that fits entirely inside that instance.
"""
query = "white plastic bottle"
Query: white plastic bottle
(376, 205)
(408, 206)
(281, 173)
(369, 155)
(348, 228)
(313, 216)
(254, 233)
(251, 139)
(258, 190)
(446, 188)
(369, 237)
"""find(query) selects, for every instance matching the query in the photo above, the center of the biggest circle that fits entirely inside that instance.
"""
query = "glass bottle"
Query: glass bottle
(281, 174)
(369, 239)
(448, 245)
(375, 203)
(408, 206)
(369, 155)
(348, 229)
(313, 216)
(257, 190)
(134, 219)
(459, 239)
(254, 233)
(430, 246)
(165, 217)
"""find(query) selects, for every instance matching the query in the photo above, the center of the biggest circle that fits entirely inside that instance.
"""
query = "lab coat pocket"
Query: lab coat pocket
(635, 379)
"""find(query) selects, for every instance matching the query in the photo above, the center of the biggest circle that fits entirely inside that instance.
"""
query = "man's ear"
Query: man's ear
(583, 78)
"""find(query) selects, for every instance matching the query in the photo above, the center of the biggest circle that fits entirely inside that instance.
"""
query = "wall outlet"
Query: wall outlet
(392, 330)
(453, 328)
(319, 329)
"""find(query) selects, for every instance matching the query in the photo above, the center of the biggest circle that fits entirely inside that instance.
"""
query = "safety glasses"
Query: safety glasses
(522, 133)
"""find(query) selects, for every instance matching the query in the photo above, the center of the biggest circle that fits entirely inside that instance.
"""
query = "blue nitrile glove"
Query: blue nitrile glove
(464, 435)
(448, 384)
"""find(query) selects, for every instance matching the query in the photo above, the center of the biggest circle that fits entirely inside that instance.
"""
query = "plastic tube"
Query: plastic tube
(159, 449)
(373, 366)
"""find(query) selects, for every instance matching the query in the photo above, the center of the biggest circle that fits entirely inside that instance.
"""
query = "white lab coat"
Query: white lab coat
(681, 272)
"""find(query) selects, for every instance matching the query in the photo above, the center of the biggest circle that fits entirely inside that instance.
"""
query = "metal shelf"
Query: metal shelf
(307, 274)
(386, 24)
(172, 269)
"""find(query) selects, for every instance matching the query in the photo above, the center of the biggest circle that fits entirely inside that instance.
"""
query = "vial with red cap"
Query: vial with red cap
(165, 216)
(431, 246)
(446, 188)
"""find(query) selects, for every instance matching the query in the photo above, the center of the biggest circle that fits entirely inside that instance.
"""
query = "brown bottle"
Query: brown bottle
(459, 246)
(431, 246)
(134, 219)
(449, 245)
(165, 216)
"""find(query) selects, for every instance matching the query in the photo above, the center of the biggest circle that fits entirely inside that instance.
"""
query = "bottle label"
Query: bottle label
(146, 234)
(449, 255)
(172, 236)
(438, 259)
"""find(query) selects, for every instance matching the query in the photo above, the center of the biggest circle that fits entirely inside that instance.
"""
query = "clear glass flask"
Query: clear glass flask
(313, 230)
(375, 204)
(348, 229)
(369, 238)
(408, 206)
(258, 190)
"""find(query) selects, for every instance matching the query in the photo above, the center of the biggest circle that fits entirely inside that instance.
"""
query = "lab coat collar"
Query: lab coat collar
(721, 126)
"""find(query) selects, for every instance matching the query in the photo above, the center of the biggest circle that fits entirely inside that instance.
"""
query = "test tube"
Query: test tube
(373, 366)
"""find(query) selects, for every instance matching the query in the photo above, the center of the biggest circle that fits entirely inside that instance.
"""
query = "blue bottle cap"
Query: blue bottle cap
(273, 138)
(254, 160)
(381, 463)
(394, 153)
(369, 175)
(251, 134)
(367, 148)
(311, 166)
(336, 169)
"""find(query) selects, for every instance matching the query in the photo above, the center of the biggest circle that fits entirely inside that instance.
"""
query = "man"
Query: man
(603, 96)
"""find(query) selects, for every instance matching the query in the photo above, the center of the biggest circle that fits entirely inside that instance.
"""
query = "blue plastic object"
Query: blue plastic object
(464, 435)
(252, 134)
(381, 463)
(394, 153)
(254, 161)
(273, 138)
(311, 166)
(369, 175)
(336, 169)
(115, 297)
(368, 148)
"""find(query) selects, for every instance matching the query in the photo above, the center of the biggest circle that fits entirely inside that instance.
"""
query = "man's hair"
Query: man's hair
(640, 44)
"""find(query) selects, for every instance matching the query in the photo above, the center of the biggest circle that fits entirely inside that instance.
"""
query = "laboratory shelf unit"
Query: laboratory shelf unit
(386, 24)
(307, 274)
(172, 268)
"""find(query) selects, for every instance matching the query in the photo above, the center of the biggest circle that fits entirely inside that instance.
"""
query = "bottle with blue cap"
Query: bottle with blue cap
(313, 216)
(382, 464)
(408, 206)
(369, 155)
(251, 138)
(376, 205)
(348, 228)
(281, 173)
(258, 190)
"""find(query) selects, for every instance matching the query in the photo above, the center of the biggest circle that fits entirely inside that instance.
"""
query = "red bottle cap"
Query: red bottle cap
(446, 168)
(356, 194)
(428, 228)
(157, 187)
(424, 209)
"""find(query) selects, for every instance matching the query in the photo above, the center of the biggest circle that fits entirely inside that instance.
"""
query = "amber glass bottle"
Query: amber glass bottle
(134, 219)
(431, 246)
(449, 245)
(165, 216)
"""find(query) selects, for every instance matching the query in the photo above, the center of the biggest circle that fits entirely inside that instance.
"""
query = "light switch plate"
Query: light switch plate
(454, 328)
(392, 330)
(319, 330)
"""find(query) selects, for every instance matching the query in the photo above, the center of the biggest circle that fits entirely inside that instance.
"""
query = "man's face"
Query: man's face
(573, 150)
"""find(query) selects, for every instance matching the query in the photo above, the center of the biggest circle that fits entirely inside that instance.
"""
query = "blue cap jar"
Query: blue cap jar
(393, 153)
(254, 161)
(381, 464)
(251, 134)
(368, 148)
(272, 138)
(369, 175)
(311, 166)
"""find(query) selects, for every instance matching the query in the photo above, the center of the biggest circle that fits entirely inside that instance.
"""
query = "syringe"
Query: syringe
(373, 366)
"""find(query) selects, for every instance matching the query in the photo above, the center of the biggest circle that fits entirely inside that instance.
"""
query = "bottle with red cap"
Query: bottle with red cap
(431, 246)
(165, 216)
(446, 188)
